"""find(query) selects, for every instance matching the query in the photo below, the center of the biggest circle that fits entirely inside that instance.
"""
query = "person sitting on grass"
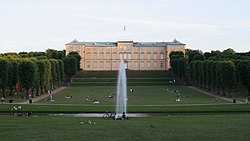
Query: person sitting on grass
(14, 111)
(28, 114)
(131, 90)
(87, 98)
(68, 96)
(111, 95)
(96, 101)
(2, 99)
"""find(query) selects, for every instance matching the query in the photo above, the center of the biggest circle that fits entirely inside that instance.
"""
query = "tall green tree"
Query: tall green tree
(13, 76)
(36, 85)
(48, 75)
(27, 74)
(244, 74)
(73, 65)
(228, 77)
(201, 78)
(42, 75)
(248, 79)
(77, 57)
(4, 71)
(196, 72)
(213, 74)
(70, 67)
(61, 69)
(53, 73)
(218, 71)
(209, 74)
(181, 67)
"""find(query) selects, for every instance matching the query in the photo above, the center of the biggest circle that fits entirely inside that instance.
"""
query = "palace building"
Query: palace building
(137, 55)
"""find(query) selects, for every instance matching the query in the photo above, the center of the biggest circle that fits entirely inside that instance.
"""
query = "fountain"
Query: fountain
(121, 94)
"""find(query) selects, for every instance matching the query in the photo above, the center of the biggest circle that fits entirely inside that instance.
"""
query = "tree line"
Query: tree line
(36, 72)
(222, 75)
(216, 71)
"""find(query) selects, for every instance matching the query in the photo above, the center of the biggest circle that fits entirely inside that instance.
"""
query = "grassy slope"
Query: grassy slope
(174, 127)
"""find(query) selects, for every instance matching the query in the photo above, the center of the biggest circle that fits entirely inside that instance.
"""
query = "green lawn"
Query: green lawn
(230, 127)
(142, 95)
(195, 117)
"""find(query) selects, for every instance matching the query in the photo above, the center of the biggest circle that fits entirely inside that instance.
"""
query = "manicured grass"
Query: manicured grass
(160, 128)
(142, 95)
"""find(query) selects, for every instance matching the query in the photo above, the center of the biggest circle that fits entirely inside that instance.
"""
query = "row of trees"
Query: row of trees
(35, 72)
(218, 71)
(221, 75)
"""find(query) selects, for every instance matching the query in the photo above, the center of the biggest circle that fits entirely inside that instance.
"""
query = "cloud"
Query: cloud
(242, 24)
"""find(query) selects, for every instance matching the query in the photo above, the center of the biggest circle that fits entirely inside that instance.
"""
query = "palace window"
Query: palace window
(129, 64)
(135, 55)
(70, 48)
(148, 64)
(95, 64)
(95, 55)
(88, 55)
(155, 64)
(88, 65)
(148, 48)
(101, 64)
(124, 56)
(142, 56)
(135, 64)
(142, 64)
(78, 48)
(129, 56)
(120, 56)
(101, 55)
(148, 55)
(108, 64)
(155, 56)
(129, 47)
(108, 55)
(161, 56)
(114, 56)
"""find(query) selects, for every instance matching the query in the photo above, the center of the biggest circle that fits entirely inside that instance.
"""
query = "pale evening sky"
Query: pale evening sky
(36, 25)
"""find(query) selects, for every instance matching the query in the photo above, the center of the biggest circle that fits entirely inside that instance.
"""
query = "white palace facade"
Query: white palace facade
(137, 55)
